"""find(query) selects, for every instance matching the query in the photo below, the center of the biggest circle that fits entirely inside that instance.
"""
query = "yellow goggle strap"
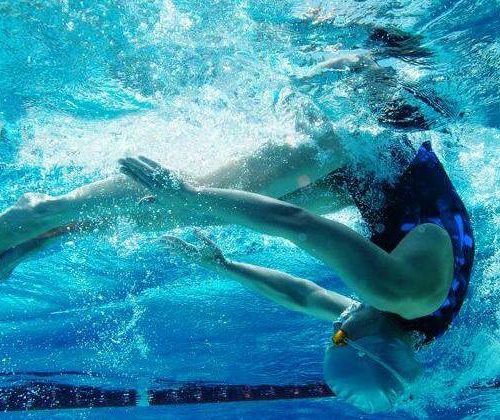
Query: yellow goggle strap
(340, 338)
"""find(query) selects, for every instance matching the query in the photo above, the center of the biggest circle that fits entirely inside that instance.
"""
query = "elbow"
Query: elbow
(436, 297)
(303, 298)
(292, 219)
(422, 303)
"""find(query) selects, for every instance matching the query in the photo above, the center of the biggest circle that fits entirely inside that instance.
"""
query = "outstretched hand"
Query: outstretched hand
(162, 182)
(208, 255)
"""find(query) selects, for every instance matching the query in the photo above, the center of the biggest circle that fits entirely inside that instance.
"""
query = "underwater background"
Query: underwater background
(192, 84)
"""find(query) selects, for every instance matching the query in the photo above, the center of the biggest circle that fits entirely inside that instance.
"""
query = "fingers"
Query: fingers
(148, 167)
(148, 199)
(180, 245)
(207, 255)
(138, 166)
(174, 241)
(130, 174)
(204, 238)
(151, 163)
(139, 171)
(129, 161)
(136, 176)
(211, 247)
(149, 173)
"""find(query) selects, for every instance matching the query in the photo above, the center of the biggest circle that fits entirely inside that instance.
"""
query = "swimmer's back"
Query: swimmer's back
(423, 194)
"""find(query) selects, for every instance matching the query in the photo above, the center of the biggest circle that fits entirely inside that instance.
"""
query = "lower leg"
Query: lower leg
(11, 258)
(35, 214)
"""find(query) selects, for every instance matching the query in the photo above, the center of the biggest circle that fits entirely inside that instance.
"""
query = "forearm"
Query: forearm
(291, 292)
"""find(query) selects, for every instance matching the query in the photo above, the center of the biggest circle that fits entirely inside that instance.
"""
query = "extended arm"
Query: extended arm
(412, 281)
(291, 292)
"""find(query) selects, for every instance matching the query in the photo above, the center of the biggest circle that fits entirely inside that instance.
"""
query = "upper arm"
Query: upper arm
(411, 281)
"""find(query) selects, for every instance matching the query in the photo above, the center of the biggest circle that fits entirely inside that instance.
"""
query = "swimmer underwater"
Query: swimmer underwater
(409, 294)
(411, 275)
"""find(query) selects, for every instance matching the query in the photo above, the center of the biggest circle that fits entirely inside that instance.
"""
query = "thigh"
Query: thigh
(279, 169)
(273, 170)
(320, 197)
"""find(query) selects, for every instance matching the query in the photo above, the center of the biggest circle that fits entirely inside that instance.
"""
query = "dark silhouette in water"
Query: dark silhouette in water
(403, 116)
(393, 42)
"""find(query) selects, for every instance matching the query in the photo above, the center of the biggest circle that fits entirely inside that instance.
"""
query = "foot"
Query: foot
(310, 120)
(308, 117)
(24, 221)
(11, 258)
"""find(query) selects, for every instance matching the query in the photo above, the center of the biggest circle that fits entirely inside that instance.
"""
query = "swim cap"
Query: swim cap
(371, 372)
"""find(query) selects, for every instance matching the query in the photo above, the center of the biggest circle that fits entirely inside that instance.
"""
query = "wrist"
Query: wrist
(223, 265)
(219, 265)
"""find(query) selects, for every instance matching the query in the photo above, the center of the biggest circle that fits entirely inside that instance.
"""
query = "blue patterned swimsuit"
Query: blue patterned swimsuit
(422, 194)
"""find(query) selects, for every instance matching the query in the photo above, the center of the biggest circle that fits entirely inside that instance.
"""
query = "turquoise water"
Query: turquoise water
(192, 84)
